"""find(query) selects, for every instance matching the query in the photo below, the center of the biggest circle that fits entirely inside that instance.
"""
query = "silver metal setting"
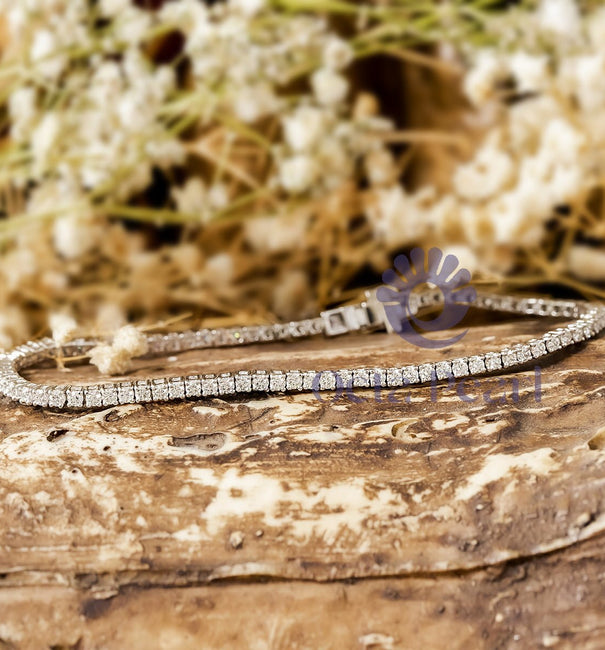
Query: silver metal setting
(363, 317)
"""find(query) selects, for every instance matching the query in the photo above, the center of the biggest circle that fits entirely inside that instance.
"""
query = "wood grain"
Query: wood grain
(451, 497)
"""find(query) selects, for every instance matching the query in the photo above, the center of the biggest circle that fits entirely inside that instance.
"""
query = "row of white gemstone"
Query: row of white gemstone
(13, 385)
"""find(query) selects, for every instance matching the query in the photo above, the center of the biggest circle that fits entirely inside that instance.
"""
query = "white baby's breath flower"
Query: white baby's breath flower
(131, 340)
(116, 359)
(218, 196)
(589, 81)
(191, 198)
(480, 82)
(380, 167)
(530, 71)
(44, 139)
(400, 219)
(220, 269)
(74, 236)
(304, 127)
(297, 174)
(337, 53)
(63, 327)
(487, 174)
(22, 111)
(329, 86)
(45, 54)
(586, 262)
(275, 234)
(562, 141)
(560, 18)
(248, 7)
(256, 101)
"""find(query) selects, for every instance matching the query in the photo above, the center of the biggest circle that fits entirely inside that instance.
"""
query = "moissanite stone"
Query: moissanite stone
(460, 367)
(426, 372)
(294, 380)
(176, 388)
(75, 397)
(493, 361)
(93, 398)
(193, 386)
(509, 358)
(142, 391)
(260, 381)
(553, 343)
(410, 375)
(523, 353)
(327, 380)
(538, 348)
(56, 398)
(226, 384)
(378, 377)
(443, 369)
(243, 382)
(109, 395)
(361, 378)
(476, 365)
(394, 377)
(159, 390)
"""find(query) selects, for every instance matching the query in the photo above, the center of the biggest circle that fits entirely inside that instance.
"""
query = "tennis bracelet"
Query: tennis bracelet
(589, 320)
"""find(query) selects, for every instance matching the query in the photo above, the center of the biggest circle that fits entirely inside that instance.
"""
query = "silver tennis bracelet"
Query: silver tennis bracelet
(365, 316)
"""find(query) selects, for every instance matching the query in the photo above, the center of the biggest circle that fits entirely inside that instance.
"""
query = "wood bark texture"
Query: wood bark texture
(462, 516)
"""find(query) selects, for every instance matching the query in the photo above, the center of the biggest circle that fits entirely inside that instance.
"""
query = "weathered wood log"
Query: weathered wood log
(474, 511)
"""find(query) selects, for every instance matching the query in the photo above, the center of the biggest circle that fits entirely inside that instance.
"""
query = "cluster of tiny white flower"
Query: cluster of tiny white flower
(544, 150)
(239, 109)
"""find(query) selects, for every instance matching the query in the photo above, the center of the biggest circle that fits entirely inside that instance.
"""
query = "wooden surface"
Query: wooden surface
(288, 522)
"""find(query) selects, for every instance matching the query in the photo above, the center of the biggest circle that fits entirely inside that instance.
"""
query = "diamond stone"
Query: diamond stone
(410, 375)
(553, 343)
(426, 372)
(460, 367)
(523, 353)
(394, 377)
(565, 337)
(277, 381)
(327, 380)
(75, 397)
(294, 380)
(344, 379)
(538, 348)
(226, 384)
(361, 378)
(476, 365)
(209, 386)
(176, 389)
(56, 398)
(109, 395)
(193, 386)
(308, 379)
(40, 397)
(159, 390)
(378, 377)
(493, 361)
(443, 369)
(577, 333)
(93, 397)
(509, 358)
(243, 382)
(142, 391)
(260, 381)
(126, 392)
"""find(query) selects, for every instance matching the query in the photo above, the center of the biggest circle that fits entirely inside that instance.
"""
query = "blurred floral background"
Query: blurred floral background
(172, 163)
